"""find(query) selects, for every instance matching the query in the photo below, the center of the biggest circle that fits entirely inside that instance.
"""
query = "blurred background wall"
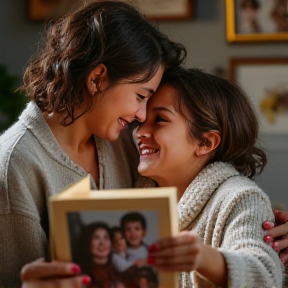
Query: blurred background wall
(205, 38)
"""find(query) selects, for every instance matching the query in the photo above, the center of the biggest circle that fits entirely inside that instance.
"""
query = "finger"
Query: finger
(281, 217)
(40, 269)
(183, 237)
(284, 257)
(267, 225)
(178, 268)
(174, 251)
(189, 260)
(278, 231)
(72, 282)
(281, 244)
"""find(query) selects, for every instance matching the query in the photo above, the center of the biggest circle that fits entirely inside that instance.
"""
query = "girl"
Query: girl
(200, 136)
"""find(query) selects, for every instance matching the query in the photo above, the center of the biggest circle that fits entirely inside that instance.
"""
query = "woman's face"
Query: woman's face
(167, 153)
(100, 243)
(118, 105)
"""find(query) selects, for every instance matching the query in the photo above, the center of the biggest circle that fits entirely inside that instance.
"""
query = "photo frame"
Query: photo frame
(265, 80)
(256, 20)
(42, 10)
(78, 211)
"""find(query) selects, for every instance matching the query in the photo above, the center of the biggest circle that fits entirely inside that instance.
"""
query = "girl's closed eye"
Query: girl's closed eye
(160, 119)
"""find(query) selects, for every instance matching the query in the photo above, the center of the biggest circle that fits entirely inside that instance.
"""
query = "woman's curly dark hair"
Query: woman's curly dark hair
(113, 33)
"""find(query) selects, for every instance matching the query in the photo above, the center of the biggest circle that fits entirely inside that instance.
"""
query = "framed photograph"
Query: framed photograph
(256, 20)
(108, 233)
(41, 10)
(265, 80)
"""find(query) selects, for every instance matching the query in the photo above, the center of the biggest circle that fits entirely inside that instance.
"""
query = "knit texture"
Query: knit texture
(227, 211)
(33, 167)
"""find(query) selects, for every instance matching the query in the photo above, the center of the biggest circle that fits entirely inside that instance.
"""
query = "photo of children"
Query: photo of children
(112, 247)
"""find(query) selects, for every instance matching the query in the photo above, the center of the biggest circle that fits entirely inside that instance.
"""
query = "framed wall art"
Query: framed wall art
(256, 20)
(93, 229)
(41, 10)
(265, 80)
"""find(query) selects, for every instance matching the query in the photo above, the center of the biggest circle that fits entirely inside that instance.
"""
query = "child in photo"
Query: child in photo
(122, 259)
(133, 225)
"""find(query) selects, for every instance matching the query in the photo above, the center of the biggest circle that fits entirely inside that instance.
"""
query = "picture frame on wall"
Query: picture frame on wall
(256, 20)
(265, 80)
(42, 10)
(79, 215)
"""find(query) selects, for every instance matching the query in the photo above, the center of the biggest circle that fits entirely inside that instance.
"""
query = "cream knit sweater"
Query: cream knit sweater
(227, 211)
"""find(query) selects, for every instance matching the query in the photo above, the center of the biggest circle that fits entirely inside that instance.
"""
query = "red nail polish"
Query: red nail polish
(150, 260)
(75, 269)
(267, 225)
(86, 280)
(274, 246)
(153, 248)
(267, 239)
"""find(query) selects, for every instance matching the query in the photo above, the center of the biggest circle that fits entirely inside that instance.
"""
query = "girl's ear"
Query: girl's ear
(96, 78)
(210, 141)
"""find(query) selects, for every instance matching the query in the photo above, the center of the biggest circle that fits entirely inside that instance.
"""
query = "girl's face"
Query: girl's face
(134, 233)
(118, 105)
(100, 243)
(167, 153)
(119, 242)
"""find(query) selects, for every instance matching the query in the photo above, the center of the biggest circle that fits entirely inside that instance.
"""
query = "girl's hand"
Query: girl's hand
(180, 253)
(277, 235)
(52, 274)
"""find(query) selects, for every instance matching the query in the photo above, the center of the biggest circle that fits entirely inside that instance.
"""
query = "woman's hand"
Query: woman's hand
(180, 253)
(277, 235)
(52, 274)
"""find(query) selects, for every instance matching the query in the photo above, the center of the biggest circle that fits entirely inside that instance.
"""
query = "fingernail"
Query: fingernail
(267, 239)
(267, 225)
(274, 246)
(150, 260)
(86, 280)
(153, 248)
(75, 269)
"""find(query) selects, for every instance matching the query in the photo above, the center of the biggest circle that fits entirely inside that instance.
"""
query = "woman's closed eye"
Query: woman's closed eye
(140, 97)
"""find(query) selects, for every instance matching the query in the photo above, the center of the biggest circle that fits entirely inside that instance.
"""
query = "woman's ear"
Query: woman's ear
(210, 141)
(96, 78)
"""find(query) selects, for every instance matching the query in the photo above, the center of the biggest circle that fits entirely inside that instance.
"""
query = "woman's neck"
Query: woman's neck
(73, 137)
(100, 261)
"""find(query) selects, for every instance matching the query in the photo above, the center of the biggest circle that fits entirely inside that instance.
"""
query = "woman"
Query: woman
(98, 67)
(93, 254)
(200, 136)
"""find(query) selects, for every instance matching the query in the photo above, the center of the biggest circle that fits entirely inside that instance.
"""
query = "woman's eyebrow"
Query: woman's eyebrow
(149, 90)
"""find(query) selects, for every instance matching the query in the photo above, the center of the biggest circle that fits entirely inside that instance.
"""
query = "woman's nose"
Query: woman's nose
(141, 113)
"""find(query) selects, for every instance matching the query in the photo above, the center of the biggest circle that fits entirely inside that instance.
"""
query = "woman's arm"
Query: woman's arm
(54, 274)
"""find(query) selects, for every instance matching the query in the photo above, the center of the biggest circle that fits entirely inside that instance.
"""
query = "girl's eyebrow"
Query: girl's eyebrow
(155, 109)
